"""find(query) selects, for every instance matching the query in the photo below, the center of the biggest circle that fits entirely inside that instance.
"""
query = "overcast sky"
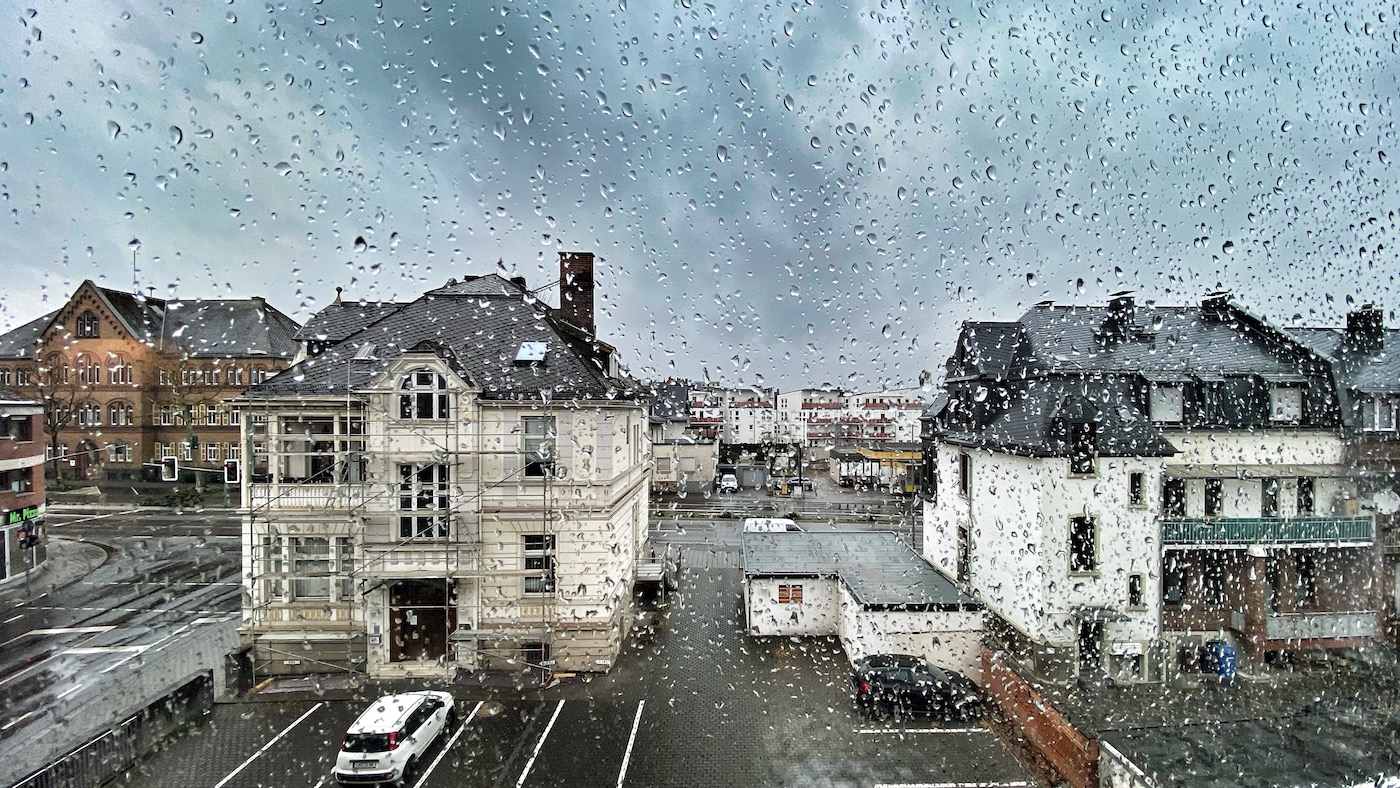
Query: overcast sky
(793, 194)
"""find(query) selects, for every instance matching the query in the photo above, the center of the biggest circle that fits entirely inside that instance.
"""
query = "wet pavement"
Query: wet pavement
(694, 702)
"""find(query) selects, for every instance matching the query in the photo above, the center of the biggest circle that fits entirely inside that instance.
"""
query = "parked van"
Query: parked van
(766, 525)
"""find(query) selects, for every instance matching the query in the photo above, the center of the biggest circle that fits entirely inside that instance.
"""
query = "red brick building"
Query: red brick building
(21, 483)
(125, 379)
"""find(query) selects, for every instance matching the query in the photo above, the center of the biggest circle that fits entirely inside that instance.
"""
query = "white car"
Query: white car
(389, 738)
(729, 483)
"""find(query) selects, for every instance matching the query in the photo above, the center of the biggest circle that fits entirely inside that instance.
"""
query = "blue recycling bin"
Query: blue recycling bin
(1223, 658)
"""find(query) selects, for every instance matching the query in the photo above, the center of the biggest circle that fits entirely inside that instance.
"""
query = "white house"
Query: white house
(458, 482)
(1121, 484)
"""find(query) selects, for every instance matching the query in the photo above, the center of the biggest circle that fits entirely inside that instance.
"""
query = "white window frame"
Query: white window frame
(540, 556)
(425, 501)
(424, 396)
(536, 433)
(1378, 414)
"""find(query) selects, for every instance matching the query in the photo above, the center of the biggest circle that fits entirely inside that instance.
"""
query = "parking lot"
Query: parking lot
(694, 702)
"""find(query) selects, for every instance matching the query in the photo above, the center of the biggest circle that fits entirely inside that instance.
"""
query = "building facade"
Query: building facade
(21, 486)
(460, 483)
(127, 379)
(1122, 485)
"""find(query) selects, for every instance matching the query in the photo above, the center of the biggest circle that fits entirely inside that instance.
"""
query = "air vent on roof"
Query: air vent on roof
(531, 352)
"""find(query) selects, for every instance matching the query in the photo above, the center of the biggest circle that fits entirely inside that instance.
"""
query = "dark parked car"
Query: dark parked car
(887, 684)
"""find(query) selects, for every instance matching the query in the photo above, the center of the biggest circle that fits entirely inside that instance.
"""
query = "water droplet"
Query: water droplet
(176, 135)
(816, 143)
(360, 243)
(282, 168)
(113, 128)
(788, 103)
(991, 173)
(1287, 125)
(197, 37)
(722, 153)
(1228, 247)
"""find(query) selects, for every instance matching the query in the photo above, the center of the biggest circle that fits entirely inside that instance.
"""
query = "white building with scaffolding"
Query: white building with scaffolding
(457, 483)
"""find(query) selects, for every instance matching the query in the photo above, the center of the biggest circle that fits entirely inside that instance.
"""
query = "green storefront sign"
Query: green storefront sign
(19, 515)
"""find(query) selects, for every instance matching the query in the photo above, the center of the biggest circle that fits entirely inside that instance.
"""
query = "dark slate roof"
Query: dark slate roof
(477, 326)
(1066, 363)
(880, 571)
(1178, 341)
(670, 402)
(236, 327)
(1033, 418)
(339, 320)
(19, 343)
(202, 328)
(1367, 373)
(988, 350)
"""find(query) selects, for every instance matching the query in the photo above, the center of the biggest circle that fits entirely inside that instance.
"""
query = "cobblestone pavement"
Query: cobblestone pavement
(709, 707)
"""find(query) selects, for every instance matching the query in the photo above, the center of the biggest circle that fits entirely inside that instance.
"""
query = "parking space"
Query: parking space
(693, 702)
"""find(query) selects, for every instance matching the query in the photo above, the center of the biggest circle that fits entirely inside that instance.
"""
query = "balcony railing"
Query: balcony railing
(1267, 530)
(1316, 626)
(307, 496)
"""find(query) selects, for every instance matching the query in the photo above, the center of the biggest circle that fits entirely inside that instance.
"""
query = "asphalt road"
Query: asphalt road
(693, 702)
(124, 596)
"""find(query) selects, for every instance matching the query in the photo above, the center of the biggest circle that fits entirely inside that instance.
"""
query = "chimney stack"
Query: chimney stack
(576, 289)
(1365, 330)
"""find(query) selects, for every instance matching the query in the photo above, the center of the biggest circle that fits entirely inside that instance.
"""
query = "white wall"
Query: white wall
(948, 639)
(1019, 514)
(818, 614)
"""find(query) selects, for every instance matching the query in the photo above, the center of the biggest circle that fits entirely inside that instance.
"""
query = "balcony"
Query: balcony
(1298, 627)
(1267, 530)
(307, 496)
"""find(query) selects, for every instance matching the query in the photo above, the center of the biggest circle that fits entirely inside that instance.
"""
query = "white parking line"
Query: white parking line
(89, 518)
(455, 735)
(902, 731)
(627, 757)
(538, 745)
(268, 746)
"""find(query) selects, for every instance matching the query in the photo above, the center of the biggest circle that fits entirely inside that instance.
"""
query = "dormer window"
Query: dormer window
(423, 395)
(1285, 404)
(87, 325)
(1166, 403)
(1378, 414)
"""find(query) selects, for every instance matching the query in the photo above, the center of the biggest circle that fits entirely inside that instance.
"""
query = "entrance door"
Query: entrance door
(1090, 646)
(421, 616)
(83, 460)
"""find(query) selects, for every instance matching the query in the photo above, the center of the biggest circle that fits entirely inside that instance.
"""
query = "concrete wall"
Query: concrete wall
(948, 639)
(819, 613)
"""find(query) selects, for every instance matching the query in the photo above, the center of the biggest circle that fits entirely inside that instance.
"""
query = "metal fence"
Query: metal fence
(116, 749)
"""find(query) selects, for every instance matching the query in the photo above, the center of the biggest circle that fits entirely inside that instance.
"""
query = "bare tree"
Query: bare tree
(61, 396)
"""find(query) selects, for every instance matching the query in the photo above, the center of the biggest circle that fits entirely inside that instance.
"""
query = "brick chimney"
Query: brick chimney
(1366, 330)
(576, 289)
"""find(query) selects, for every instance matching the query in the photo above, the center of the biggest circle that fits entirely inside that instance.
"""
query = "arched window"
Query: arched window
(87, 325)
(424, 395)
(55, 370)
(259, 374)
(89, 372)
(119, 369)
(121, 414)
(89, 414)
